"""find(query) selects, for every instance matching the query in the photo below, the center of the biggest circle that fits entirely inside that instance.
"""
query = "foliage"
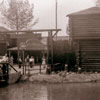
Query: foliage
(97, 2)
(61, 50)
(63, 54)
(18, 14)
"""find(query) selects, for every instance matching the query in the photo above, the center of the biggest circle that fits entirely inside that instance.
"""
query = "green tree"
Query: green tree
(18, 14)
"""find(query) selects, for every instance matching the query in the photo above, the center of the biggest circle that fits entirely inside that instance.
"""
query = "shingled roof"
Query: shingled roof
(2, 28)
(31, 45)
(91, 11)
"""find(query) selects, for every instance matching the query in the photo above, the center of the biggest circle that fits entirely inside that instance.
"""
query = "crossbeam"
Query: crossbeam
(36, 30)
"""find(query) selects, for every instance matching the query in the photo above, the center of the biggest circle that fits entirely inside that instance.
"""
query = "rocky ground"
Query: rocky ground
(63, 77)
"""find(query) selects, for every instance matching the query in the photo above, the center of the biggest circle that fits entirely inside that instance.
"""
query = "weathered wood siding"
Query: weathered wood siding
(85, 37)
(90, 55)
(3, 48)
(86, 26)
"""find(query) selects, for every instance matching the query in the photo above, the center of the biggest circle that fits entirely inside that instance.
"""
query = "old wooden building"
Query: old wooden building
(30, 43)
(84, 31)
(3, 41)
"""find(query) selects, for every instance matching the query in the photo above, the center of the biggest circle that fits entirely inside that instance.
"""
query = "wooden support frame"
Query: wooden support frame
(50, 48)
(37, 30)
(50, 36)
(55, 33)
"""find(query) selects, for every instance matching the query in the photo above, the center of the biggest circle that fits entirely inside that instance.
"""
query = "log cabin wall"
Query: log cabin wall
(85, 38)
(90, 55)
(86, 26)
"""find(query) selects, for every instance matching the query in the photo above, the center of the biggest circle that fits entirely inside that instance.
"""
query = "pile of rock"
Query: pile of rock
(63, 77)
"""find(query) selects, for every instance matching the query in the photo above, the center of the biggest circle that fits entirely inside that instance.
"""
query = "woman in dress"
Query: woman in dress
(43, 61)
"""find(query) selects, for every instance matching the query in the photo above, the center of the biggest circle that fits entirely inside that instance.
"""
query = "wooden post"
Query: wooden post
(50, 48)
(40, 68)
(18, 47)
(28, 70)
(23, 63)
(24, 60)
(77, 54)
(9, 56)
(51, 43)
(7, 66)
(56, 15)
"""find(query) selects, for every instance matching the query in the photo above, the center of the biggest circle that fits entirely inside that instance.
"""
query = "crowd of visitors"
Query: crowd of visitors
(30, 61)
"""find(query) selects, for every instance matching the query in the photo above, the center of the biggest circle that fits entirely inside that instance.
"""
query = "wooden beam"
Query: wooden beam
(55, 34)
(37, 30)
(50, 47)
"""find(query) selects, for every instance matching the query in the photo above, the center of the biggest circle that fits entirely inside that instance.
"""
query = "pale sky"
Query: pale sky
(45, 11)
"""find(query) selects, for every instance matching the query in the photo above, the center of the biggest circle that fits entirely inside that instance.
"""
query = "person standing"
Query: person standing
(27, 64)
(5, 58)
(31, 60)
(43, 61)
(20, 62)
(5, 64)
(11, 60)
(27, 60)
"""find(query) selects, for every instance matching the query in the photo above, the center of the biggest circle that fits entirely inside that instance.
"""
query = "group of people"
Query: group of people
(30, 61)
(4, 66)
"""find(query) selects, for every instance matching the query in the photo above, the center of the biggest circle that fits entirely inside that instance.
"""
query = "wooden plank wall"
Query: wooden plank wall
(85, 33)
(90, 55)
(3, 48)
(87, 25)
